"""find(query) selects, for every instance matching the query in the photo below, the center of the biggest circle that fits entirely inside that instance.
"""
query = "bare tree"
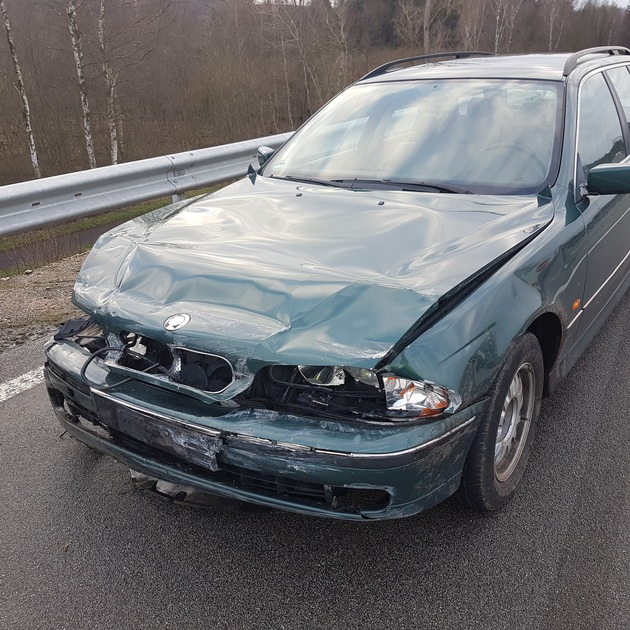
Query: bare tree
(282, 38)
(110, 82)
(472, 19)
(555, 13)
(214, 71)
(411, 20)
(77, 50)
(337, 21)
(408, 23)
(297, 30)
(26, 110)
(133, 38)
(505, 14)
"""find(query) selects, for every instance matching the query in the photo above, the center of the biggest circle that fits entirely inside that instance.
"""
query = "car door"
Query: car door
(602, 139)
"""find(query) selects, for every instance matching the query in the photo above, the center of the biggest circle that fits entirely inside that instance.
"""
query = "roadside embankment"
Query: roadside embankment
(33, 304)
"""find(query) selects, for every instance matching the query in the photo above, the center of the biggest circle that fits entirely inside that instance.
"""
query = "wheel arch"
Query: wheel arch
(548, 329)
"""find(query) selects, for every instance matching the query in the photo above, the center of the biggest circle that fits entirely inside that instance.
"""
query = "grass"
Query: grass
(29, 239)
(42, 246)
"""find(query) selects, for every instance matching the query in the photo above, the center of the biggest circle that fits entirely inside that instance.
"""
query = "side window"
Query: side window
(600, 137)
(621, 80)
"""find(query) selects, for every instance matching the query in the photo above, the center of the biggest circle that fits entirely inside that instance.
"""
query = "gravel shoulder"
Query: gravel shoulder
(34, 304)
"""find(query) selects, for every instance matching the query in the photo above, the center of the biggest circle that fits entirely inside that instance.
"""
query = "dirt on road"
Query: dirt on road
(34, 304)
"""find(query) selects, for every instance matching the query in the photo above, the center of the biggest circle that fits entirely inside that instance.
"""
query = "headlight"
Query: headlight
(419, 399)
(367, 377)
(404, 397)
(329, 376)
(332, 375)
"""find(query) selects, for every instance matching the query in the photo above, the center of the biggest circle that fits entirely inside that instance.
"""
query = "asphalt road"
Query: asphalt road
(81, 548)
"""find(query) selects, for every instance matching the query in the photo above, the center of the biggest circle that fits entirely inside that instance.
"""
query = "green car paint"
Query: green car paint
(313, 283)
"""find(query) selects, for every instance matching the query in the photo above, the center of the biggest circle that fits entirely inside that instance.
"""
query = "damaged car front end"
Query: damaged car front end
(365, 325)
(257, 447)
(282, 389)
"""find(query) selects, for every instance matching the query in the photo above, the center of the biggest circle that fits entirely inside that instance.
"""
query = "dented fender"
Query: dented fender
(464, 349)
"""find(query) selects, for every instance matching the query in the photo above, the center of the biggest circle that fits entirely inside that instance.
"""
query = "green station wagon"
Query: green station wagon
(367, 323)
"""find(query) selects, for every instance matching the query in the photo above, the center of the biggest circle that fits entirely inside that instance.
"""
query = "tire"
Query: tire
(499, 453)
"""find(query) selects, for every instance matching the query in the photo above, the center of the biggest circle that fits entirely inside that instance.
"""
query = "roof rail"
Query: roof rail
(573, 61)
(457, 55)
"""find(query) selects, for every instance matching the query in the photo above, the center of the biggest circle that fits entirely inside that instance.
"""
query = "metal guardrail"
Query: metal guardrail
(37, 203)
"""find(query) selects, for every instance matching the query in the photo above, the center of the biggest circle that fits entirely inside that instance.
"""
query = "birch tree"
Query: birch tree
(472, 19)
(554, 13)
(19, 81)
(110, 82)
(505, 13)
(77, 50)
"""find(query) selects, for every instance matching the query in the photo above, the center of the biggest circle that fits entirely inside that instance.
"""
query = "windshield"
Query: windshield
(481, 136)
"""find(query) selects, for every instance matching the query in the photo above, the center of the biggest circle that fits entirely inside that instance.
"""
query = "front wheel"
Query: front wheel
(498, 456)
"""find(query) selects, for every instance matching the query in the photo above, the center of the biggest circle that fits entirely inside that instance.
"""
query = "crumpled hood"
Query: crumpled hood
(286, 273)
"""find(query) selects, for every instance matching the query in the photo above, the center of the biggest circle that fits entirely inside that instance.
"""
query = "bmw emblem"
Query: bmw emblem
(175, 322)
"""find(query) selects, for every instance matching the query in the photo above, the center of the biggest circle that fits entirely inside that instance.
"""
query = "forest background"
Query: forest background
(86, 83)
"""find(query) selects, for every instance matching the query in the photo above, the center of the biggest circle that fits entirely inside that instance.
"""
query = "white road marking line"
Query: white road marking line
(20, 384)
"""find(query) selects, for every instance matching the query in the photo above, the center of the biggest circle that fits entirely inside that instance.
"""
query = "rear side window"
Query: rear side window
(620, 78)
(600, 136)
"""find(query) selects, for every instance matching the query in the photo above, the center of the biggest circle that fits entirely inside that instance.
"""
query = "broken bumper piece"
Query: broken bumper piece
(326, 468)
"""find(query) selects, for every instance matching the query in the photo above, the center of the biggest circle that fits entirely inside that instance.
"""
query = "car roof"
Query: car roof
(548, 67)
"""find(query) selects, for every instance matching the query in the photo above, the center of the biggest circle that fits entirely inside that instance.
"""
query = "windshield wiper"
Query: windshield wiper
(408, 186)
(357, 182)
(450, 188)
(311, 180)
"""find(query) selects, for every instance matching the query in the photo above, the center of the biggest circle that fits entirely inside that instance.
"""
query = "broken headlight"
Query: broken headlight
(420, 399)
(333, 375)
(404, 398)
(367, 377)
(328, 375)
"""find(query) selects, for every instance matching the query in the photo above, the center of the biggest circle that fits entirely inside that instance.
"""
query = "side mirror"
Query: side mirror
(609, 179)
(263, 154)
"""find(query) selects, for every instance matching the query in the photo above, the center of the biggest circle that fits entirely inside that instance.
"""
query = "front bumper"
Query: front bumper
(302, 464)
